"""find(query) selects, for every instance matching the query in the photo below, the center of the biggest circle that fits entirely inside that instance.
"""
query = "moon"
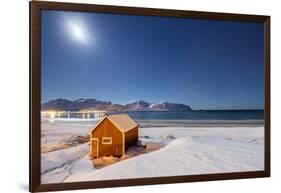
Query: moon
(78, 31)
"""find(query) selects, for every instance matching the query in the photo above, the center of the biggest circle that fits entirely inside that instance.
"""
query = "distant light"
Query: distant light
(52, 115)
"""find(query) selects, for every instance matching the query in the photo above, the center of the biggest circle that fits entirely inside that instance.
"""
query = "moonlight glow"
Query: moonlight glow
(78, 31)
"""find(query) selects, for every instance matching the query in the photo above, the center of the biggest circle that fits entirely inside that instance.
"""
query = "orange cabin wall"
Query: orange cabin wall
(131, 137)
(108, 129)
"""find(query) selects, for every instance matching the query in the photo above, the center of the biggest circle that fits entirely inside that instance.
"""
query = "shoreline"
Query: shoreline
(144, 123)
(200, 123)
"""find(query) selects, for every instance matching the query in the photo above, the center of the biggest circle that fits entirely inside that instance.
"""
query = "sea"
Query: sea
(196, 118)
(199, 118)
(199, 115)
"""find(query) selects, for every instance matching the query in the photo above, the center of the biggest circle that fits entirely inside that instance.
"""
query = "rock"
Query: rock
(168, 137)
(153, 146)
(98, 162)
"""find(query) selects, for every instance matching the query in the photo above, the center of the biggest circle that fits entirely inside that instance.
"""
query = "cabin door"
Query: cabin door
(95, 147)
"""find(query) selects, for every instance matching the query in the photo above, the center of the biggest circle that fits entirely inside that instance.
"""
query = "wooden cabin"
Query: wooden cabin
(113, 135)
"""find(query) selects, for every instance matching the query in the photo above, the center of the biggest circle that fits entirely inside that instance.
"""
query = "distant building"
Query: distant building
(113, 135)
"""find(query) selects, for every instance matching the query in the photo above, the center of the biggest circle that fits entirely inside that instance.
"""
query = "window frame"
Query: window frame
(106, 138)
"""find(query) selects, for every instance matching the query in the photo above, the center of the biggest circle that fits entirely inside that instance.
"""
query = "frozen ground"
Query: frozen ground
(188, 150)
(63, 134)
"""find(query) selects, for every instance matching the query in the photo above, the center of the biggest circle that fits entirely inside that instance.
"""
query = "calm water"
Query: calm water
(200, 115)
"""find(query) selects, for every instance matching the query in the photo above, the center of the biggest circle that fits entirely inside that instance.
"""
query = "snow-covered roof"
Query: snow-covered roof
(122, 121)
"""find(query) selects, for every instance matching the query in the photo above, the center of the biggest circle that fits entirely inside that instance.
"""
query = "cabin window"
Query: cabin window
(107, 140)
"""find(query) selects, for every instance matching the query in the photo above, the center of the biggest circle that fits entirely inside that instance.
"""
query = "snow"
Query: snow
(56, 159)
(57, 135)
(80, 100)
(152, 105)
(187, 151)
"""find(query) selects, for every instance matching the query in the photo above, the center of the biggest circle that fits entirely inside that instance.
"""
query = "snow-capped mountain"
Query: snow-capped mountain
(94, 104)
(137, 105)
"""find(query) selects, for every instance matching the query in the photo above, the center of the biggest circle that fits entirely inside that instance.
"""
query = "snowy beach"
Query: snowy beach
(187, 151)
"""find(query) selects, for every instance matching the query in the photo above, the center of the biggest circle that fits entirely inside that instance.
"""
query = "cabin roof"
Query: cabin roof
(122, 121)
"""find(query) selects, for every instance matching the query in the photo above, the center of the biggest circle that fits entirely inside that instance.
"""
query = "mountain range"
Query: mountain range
(61, 104)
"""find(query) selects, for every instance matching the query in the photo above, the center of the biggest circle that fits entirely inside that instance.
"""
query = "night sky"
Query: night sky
(207, 64)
